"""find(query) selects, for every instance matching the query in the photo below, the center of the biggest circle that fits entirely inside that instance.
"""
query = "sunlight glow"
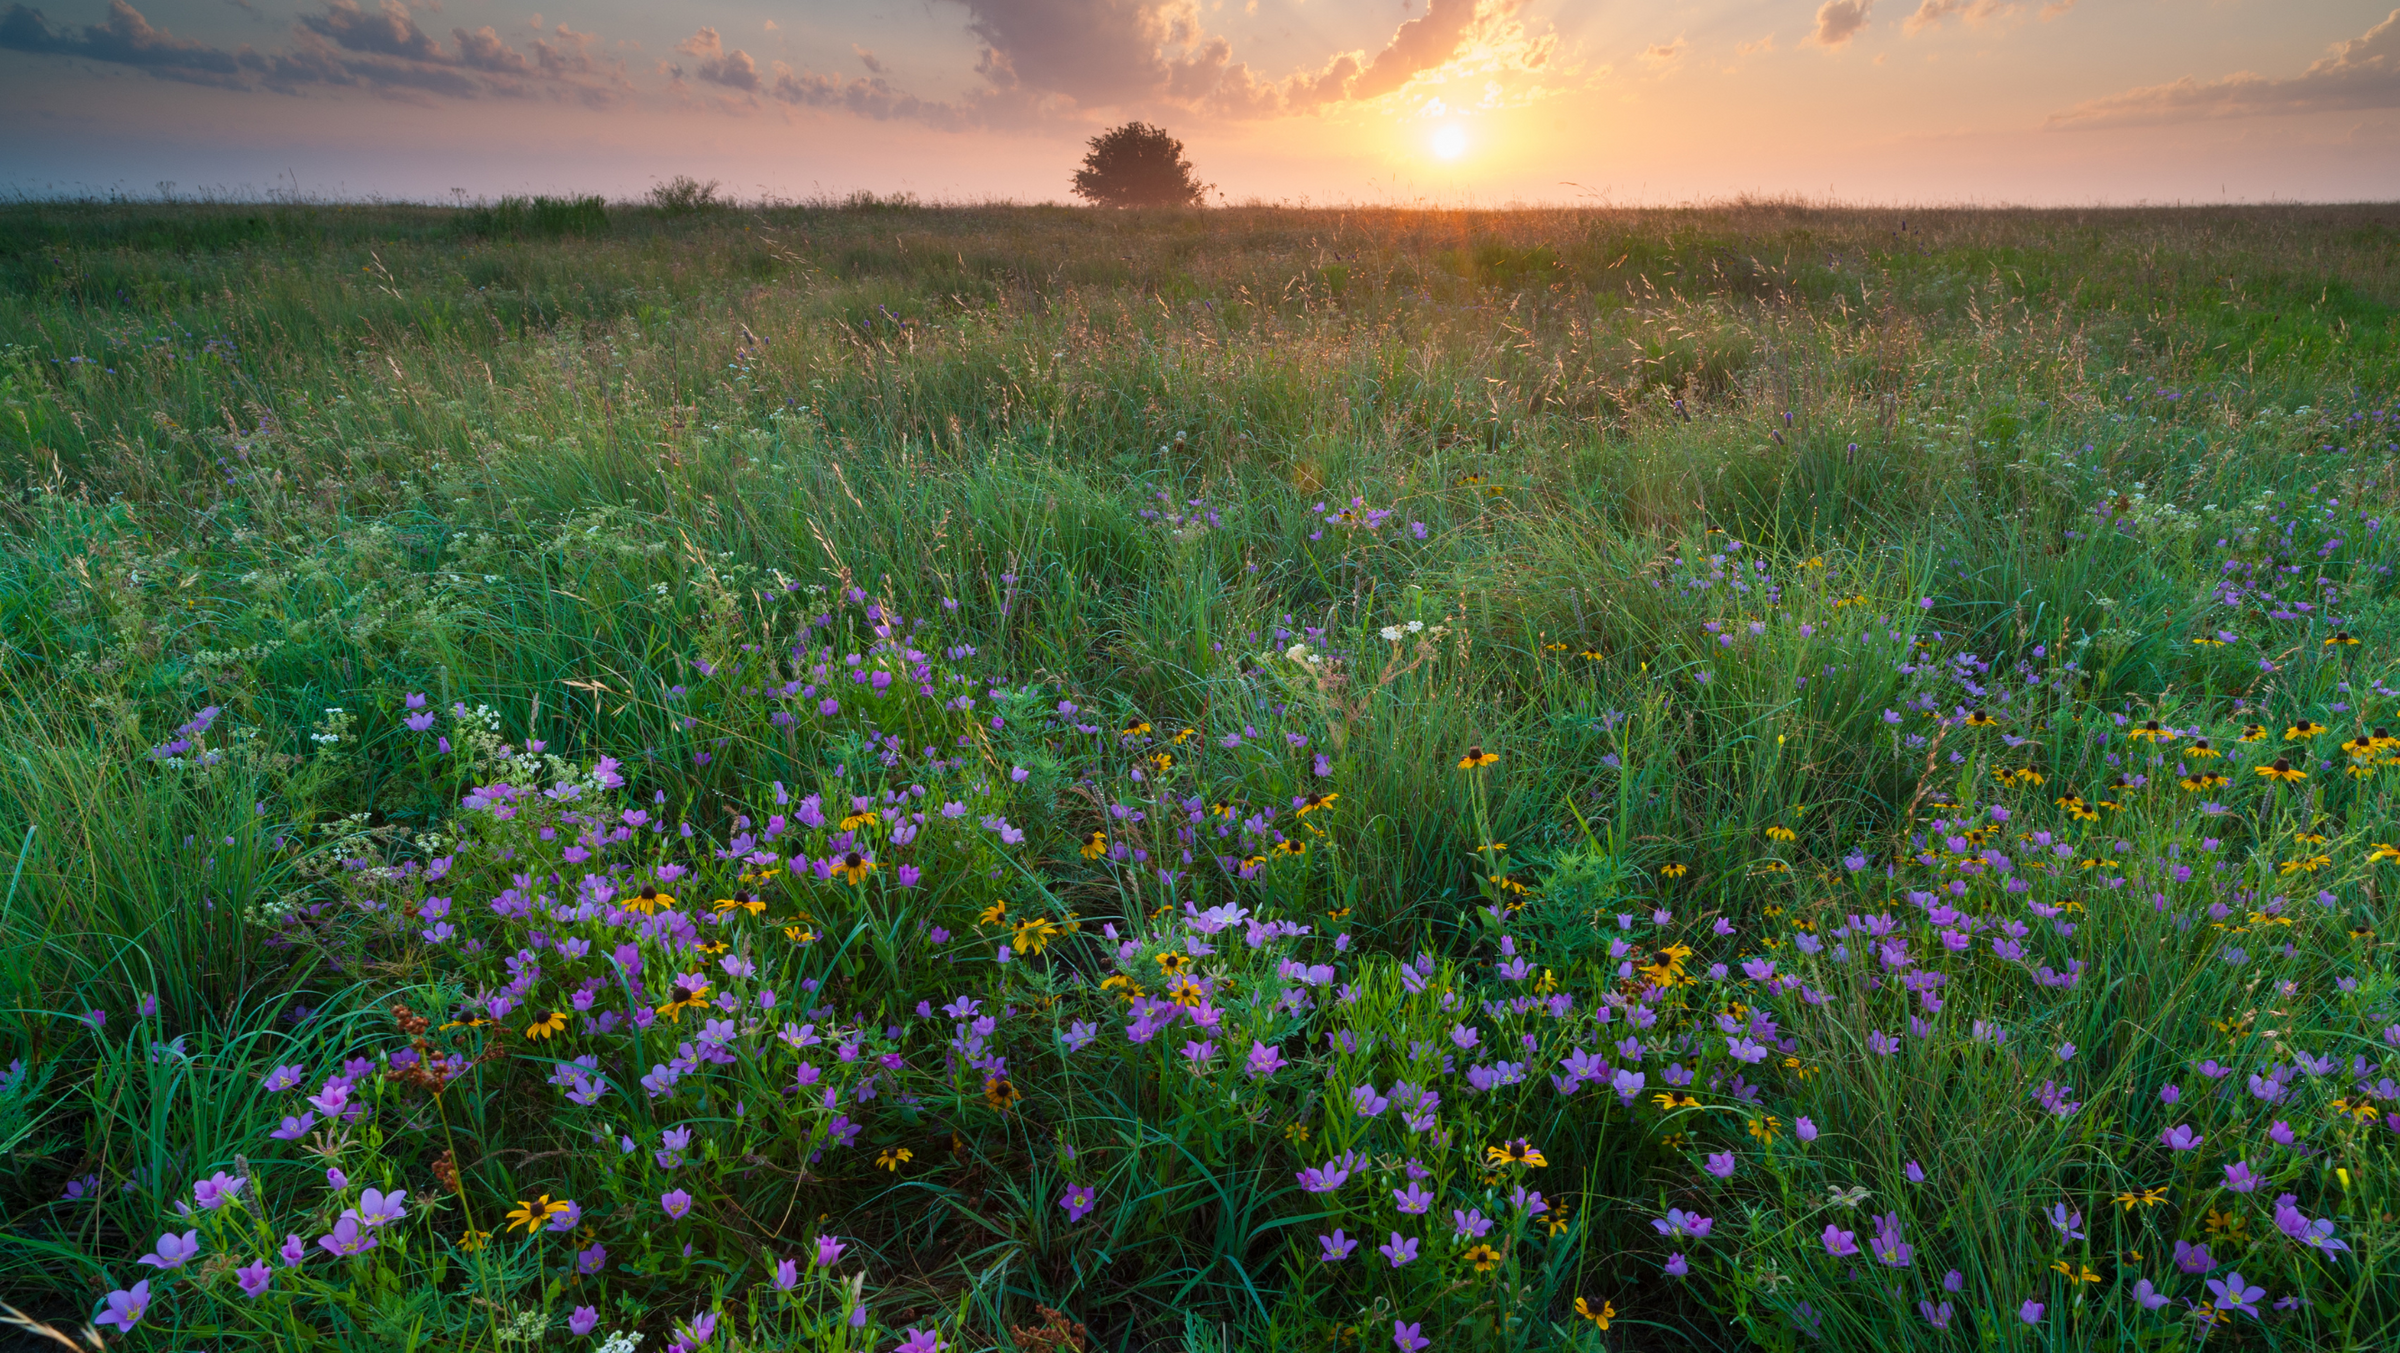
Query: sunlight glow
(1450, 142)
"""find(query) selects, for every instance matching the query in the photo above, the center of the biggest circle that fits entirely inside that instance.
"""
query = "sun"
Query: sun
(1449, 142)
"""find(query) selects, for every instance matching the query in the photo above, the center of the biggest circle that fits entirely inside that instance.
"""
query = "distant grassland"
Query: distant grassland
(300, 462)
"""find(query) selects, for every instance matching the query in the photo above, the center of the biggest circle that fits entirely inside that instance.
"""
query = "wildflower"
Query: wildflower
(1601, 1317)
(347, 1238)
(2150, 731)
(125, 1307)
(676, 1203)
(254, 1277)
(1335, 1248)
(2074, 1274)
(1312, 803)
(993, 914)
(2031, 1311)
(1519, 1152)
(2149, 1297)
(1095, 845)
(1000, 1093)
(1936, 1316)
(1034, 934)
(1079, 1202)
(584, 1320)
(1477, 758)
(1399, 1249)
(1782, 834)
(2180, 1138)
(469, 1242)
(892, 1158)
(1407, 1337)
(689, 993)
(216, 1191)
(2240, 1178)
(1483, 1257)
(1674, 871)
(647, 901)
(853, 868)
(2235, 1294)
(1838, 1242)
(2193, 1258)
(1764, 1127)
(2302, 730)
(1721, 1164)
(2066, 1221)
(2146, 1198)
(1677, 1266)
(173, 1251)
(1679, 1223)
(921, 1341)
(544, 1028)
(829, 1250)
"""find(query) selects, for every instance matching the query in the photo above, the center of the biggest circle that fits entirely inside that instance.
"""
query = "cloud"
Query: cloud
(1765, 44)
(732, 69)
(1665, 53)
(1838, 21)
(125, 38)
(1931, 12)
(2356, 73)
(388, 32)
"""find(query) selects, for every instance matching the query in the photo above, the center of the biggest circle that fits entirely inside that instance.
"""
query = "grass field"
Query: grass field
(1025, 778)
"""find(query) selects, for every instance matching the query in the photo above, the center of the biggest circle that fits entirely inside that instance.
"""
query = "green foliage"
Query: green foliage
(1138, 165)
(381, 604)
(551, 217)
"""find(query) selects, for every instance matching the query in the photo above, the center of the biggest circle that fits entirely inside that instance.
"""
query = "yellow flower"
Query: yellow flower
(2302, 730)
(1601, 1317)
(1764, 1128)
(2150, 731)
(1161, 763)
(1033, 936)
(2384, 850)
(853, 868)
(1185, 992)
(648, 900)
(857, 820)
(2201, 751)
(685, 998)
(2254, 732)
(1296, 1133)
(1674, 871)
(2205, 781)
(1484, 1258)
(2308, 865)
(474, 1240)
(749, 902)
(1134, 728)
(1291, 846)
(1477, 758)
(543, 1028)
(2075, 1273)
(2341, 638)
(993, 914)
(1979, 719)
(1172, 963)
(2146, 1198)
(1095, 845)
(999, 1093)
(1518, 1152)
(799, 934)
(531, 1216)
(1315, 801)
(1782, 834)
(2283, 770)
(894, 1158)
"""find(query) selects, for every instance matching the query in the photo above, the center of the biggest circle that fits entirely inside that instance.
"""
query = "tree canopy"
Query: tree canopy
(1138, 165)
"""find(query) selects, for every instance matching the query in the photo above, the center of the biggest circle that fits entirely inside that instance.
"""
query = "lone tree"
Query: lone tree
(1138, 165)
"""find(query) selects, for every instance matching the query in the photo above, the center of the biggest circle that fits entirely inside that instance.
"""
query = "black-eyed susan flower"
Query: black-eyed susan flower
(2383, 740)
(1186, 992)
(1606, 1312)
(1222, 808)
(853, 868)
(2077, 808)
(1674, 871)
(1555, 1220)
(2204, 781)
(1095, 845)
(1000, 1093)
(1034, 934)
(2146, 1198)
(2283, 769)
(1161, 763)
(647, 901)
(1782, 834)
(534, 1215)
(892, 1158)
(1522, 1151)
(544, 1028)
(1312, 802)
(2383, 850)
(857, 820)
(1338, 915)
(1979, 719)
(1765, 1126)
(1670, 1099)
(2150, 730)
(688, 993)
(2341, 639)
(2075, 1273)
(995, 914)
(1291, 846)
(1483, 1258)
(1477, 758)
(1185, 736)
(1134, 728)
(473, 1240)
(2304, 729)
(2200, 750)
(2254, 732)
(2362, 745)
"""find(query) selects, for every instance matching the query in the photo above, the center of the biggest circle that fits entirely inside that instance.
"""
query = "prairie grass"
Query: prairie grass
(390, 593)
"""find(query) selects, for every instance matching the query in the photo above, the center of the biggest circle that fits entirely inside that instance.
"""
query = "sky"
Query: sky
(1379, 102)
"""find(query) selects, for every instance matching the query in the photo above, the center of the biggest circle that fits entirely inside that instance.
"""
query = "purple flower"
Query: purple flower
(376, 1208)
(2149, 1297)
(1838, 1242)
(2316, 1234)
(1678, 1222)
(2031, 1311)
(2066, 1221)
(591, 1261)
(294, 1251)
(1414, 1200)
(2180, 1138)
(567, 1218)
(920, 1341)
(1805, 1129)
(336, 1180)
(2281, 1133)
(1079, 1202)
(294, 1129)
(829, 1251)
(2170, 1093)
(1936, 1316)
(676, 1202)
(216, 1191)
(1399, 1249)
(173, 1251)
(2233, 1294)
(1469, 1225)
(702, 1328)
(787, 1274)
(1335, 1248)
(1265, 1061)
(125, 1307)
(583, 1322)
(1677, 1265)
(1720, 1164)
(347, 1238)
(254, 1277)
(2193, 1258)
(2241, 1178)
(1407, 1336)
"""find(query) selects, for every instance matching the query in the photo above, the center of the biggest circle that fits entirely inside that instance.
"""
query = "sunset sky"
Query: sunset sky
(1377, 101)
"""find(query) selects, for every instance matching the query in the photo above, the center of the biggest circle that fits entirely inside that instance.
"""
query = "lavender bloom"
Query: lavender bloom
(1720, 1164)
(2316, 1234)
(1679, 1223)
(1399, 1249)
(591, 1261)
(2066, 1221)
(294, 1251)
(294, 1129)
(1840, 1243)
(1469, 1225)
(1677, 1266)
(1079, 1202)
(216, 1191)
(2240, 1178)
(1936, 1316)
(254, 1277)
(676, 1202)
(2233, 1294)
(1265, 1061)
(125, 1307)
(347, 1238)
(376, 1208)
(2193, 1259)
(1805, 1129)
(2031, 1311)
(829, 1251)
(1414, 1200)
(2148, 1296)
(583, 1321)
(173, 1251)
(2180, 1138)
(920, 1341)
(1335, 1248)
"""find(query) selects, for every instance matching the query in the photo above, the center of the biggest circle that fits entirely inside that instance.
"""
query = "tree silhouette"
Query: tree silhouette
(1138, 165)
